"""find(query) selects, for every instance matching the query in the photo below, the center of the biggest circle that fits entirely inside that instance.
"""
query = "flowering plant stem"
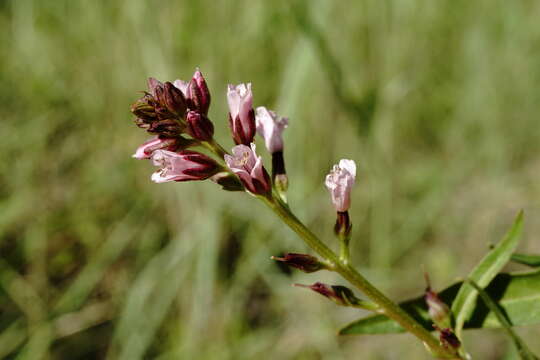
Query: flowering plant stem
(385, 306)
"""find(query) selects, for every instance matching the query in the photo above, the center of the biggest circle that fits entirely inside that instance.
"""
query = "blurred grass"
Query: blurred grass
(98, 262)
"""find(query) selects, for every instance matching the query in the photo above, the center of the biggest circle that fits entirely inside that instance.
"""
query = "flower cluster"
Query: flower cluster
(177, 114)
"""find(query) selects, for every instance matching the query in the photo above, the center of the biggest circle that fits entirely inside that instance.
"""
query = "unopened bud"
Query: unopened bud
(167, 128)
(199, 126)
(198, 93)
(447, 338)
(437, 309)
(343, 225)
(144, 109)
(228, 181)
(341, 295)
(304, 262)
(174, 99)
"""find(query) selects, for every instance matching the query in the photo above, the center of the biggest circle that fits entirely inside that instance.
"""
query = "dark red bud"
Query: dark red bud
(343, 225)
(167, 128)
(304, 262)
(144, 109)
(341, 295)
(198, 93)
(174, 99)
(153, 84)
(447, 338)
(199, 126)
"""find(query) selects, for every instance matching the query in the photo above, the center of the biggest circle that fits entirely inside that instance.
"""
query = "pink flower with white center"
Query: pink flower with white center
(270, 127)
(182, 166)
(241, 114)
(249, 167)
(147, 148)
(340, 182)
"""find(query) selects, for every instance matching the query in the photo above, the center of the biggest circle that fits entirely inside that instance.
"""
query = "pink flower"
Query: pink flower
(147, 148)
(241, 114)
(183, 166)
(270, 127)
(249, 167)
(340, 182)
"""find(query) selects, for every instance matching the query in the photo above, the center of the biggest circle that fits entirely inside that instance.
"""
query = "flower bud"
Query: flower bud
(174, 99)
(147, 148)
(438, 310)
(198, 93)
(306, 263)
(270, 126)
(153, 84)
(340, 182)
(199, 126)
(343, 225)
(341, 295)
(228, 181)
(249, 168)
(183, 166)
(241, 114)
(447, 338)
(144, 109)
(167, 128)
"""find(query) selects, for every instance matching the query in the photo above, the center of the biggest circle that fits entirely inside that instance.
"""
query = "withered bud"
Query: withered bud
(174, 100)
(341, 295)
(228, 181)
(167, 128)
(198, 93)
(447, 338)
(144, 109)
(343, 225)
(304, 262)
(199, 126)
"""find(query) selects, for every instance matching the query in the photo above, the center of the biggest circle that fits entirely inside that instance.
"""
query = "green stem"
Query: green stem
(215, 147)
(386, 306)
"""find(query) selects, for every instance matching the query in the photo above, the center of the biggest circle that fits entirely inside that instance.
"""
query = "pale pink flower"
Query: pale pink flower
(249, 167)
(270, 126)
(339, 182)
(183, 166)
(241, 114)
(147, 148)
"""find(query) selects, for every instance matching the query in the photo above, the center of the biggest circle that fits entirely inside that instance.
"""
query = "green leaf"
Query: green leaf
(484, 272)
(517, 294)
(524, 352)
(529, 260)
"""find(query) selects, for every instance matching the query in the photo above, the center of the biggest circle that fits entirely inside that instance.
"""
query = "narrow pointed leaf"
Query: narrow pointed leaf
(484, 272)
(525, 259)
(517, 294)
(524, 352)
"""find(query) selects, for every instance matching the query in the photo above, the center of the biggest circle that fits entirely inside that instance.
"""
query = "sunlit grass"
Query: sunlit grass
(183, 270)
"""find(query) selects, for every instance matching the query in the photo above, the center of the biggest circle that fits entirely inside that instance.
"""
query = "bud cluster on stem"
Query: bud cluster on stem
(177, 114)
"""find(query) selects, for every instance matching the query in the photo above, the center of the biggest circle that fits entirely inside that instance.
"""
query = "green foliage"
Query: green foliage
(464, 303)
(451, 99)
(522, 348)
(517, 294)
(526, 259)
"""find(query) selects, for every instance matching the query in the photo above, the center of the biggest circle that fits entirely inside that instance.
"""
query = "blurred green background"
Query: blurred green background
(437, 101)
